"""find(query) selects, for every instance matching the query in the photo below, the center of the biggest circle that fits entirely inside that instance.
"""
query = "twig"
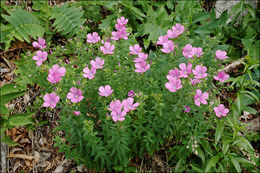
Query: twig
(141, 164)
(21, 156)
(233, 65)
(8, 63)
(9, 50)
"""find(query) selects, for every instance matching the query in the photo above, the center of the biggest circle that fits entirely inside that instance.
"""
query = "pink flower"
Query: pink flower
(122, 21)
(90, 74)
(194, 81)
(75, 95)
(116, 35)
(135, 50)
(187, 51)
(222, 76)
(175, 73)
(200, 97)
(131, 93)
(162, 40)
(50, 100)
(94, 38)
(123, 33)
(107, 48)
(55, 73)
(141, 57)
(128, 104)
(141, 67)
(221, 54)
(173, 85)
(179, 28)
(168, 47)
(40, 57)
(76, 113)
(221, 110)
(185, 70)
(118, 116)
(105, 91)
(200, 72)
(187, 109)
(172, 33)
(197, 51)
(97, 63)
(115, 106)
(40, 44)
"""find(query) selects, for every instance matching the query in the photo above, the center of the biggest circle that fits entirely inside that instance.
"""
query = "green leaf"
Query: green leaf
(67, 19)
(118, 168)
(7, 140)
(235, 163)
(25, 24)
(219, 130)
(250, 109)
(129, 5)
(212, 162)
(251, 10)
(200, 17)
(196, 167)
(225, 146)
(239, 103)
(201, 155)
(20, 119)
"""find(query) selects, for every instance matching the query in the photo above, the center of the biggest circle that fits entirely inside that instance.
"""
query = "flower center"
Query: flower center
(76, 96)
(52, 102)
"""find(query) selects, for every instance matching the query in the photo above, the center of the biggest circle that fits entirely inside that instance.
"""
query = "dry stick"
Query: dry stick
(8, 63)
(233, 65)
(141, 164)
(9, 50)
(21, 156)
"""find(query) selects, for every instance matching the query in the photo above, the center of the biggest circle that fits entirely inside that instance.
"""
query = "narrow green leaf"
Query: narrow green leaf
(7, 140)
(212, 163)
(219, 130)
(235, 163)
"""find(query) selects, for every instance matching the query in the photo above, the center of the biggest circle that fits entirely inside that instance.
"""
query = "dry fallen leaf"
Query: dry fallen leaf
(13, 150)
(16, 165)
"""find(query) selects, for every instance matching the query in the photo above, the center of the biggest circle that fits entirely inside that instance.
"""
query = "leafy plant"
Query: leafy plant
(8, 93)
(67, 19)
(22, 24)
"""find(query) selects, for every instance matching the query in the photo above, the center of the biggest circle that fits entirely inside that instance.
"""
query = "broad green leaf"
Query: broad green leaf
(200, 17)
(19, 120)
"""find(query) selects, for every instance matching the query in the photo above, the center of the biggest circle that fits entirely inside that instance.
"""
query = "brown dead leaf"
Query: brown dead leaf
(27, 163)
(13, 150)
(16, 139)
(37, 156)
(25, 141)
(13, 130)
(26, 98)
(48, 167)
(16, 165)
